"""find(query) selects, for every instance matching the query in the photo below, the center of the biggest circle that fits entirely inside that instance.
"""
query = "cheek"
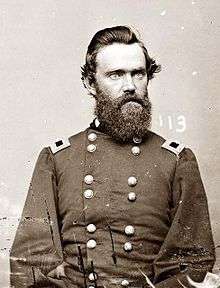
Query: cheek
(141, 86)
(111, 87)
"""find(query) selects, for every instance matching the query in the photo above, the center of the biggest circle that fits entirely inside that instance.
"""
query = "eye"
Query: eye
(115, 75)
(139, 74)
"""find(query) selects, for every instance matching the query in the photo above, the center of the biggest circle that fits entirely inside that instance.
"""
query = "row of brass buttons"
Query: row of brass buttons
(88, 194)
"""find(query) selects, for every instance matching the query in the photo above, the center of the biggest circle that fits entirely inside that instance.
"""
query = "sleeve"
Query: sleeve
(36, 251)
(188, 248)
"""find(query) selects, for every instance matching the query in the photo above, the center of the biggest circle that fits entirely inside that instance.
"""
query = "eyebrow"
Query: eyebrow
(140, 69)
(114, 71)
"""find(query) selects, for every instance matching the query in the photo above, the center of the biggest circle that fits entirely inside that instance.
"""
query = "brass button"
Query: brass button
(137, 140)
(129, 230)
(91, 228)
(135, 150)
(93, 276)
(92, 137)
(91, 148)
(88, 179)
(132, 181)
(88, 194)
(132, 196)
(128, 246)
(91, 244)
(124, 283)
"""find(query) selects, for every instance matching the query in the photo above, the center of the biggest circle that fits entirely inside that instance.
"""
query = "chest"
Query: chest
(112, 185)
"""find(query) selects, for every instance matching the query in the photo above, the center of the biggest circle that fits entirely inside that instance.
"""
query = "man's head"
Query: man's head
(116, 73)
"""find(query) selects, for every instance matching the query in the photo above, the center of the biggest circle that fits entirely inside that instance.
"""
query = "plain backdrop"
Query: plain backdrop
(42, 46)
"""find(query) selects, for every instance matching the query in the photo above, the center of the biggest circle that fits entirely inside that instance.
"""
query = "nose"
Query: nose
(128, 84)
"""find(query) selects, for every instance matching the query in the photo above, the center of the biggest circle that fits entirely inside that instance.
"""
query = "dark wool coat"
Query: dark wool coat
(168, 234)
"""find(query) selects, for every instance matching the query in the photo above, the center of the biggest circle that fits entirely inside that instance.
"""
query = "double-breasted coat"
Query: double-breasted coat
(103, 214)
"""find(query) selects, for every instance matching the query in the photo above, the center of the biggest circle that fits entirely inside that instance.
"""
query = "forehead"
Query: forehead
(120, 56)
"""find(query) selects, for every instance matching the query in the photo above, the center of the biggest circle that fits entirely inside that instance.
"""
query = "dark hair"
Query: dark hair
(108, 36)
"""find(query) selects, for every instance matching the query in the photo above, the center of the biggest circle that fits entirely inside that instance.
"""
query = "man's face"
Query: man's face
(120, 89)
(120, 72)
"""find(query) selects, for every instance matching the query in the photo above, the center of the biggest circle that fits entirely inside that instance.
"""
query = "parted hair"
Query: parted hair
(108, 36)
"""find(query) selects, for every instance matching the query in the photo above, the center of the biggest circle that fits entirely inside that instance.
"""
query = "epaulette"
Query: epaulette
(60, 144)
(173, 146)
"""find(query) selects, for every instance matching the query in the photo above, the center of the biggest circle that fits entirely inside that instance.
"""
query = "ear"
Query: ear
(89, 86)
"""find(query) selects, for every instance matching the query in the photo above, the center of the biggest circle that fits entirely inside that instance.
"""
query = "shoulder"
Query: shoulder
(174, 156)
(58, 154)
(172, 145)
(173, 148)
(65, 144)
(61, 149)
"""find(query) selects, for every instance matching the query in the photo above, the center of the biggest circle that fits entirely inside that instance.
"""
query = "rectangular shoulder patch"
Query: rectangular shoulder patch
(60, 144)
(173, 146)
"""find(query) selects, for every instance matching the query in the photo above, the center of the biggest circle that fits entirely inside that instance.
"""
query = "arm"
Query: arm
(188, 248)
(36, 250)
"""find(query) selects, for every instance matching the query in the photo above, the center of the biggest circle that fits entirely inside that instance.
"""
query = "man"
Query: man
(115, 205)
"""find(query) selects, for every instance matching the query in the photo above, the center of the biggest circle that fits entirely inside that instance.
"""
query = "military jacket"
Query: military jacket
(113, 215)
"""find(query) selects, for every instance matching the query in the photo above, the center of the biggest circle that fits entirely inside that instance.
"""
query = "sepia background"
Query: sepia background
(42, 46)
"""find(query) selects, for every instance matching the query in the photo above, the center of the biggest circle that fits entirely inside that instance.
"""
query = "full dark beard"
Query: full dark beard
(123, 126)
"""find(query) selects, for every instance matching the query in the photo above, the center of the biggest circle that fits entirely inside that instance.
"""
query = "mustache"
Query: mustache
(127, 97)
